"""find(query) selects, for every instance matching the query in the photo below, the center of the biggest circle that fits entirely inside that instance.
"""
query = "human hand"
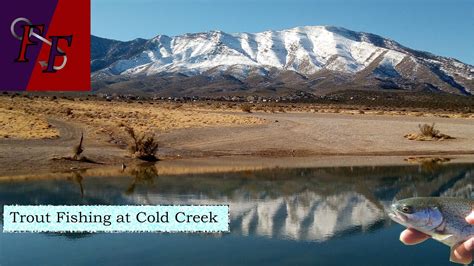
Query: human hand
(461, 254)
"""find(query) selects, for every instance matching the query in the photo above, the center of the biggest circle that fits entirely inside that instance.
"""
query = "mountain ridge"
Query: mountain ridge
(314, 59)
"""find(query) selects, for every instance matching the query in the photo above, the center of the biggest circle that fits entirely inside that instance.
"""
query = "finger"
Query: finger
(412, 237)
(470, 218)
(469, 245)
(463, 253)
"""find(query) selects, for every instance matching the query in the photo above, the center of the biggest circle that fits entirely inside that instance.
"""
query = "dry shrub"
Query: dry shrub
(77, 156)
(428, 130)
(143, 146)
(246, 108)
(427, 133)
(78, 149)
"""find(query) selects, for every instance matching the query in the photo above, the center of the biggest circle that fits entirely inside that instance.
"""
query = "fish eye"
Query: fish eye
(406, 209)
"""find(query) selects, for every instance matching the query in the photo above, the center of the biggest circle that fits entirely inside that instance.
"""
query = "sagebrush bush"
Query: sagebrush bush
(428, 130)
(143, 146)
(427, 133)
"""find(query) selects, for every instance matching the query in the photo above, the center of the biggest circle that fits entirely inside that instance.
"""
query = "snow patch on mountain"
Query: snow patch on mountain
(304, 50)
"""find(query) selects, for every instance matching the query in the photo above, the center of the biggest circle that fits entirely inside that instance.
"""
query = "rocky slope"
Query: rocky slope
(313, 59)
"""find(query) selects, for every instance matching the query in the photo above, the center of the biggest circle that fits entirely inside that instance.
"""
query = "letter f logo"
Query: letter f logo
(26, 41)
(55, 52)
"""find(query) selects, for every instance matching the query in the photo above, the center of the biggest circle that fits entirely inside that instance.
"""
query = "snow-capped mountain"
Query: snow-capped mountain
(315, 58)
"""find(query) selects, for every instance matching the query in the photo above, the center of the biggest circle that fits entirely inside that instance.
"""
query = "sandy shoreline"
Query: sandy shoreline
(309, 134)
(190, 134)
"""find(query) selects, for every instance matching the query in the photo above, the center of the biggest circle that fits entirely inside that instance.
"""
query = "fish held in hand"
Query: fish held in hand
(444, 219)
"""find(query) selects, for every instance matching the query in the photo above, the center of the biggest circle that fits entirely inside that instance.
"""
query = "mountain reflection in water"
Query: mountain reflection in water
(299, 204)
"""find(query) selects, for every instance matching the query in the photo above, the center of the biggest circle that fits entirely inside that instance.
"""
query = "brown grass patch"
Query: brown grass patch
(19, 124)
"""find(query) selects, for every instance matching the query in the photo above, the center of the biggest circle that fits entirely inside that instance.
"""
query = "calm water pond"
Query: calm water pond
(320, 216)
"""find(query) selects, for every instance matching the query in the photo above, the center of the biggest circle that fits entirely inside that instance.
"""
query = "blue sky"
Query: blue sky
(443, 27)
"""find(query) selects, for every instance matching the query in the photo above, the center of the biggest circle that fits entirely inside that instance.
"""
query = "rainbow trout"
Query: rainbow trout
(441, 218)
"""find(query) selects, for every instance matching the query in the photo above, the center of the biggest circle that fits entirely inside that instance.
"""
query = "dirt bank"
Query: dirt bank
(191, 131)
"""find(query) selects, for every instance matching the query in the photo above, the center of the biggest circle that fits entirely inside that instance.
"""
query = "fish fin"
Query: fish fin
(441, 238)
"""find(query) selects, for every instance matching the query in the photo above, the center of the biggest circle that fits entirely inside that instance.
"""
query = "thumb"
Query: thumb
(470, 218)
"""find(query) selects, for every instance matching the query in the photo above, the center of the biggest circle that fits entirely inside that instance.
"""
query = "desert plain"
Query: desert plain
(36, 131)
